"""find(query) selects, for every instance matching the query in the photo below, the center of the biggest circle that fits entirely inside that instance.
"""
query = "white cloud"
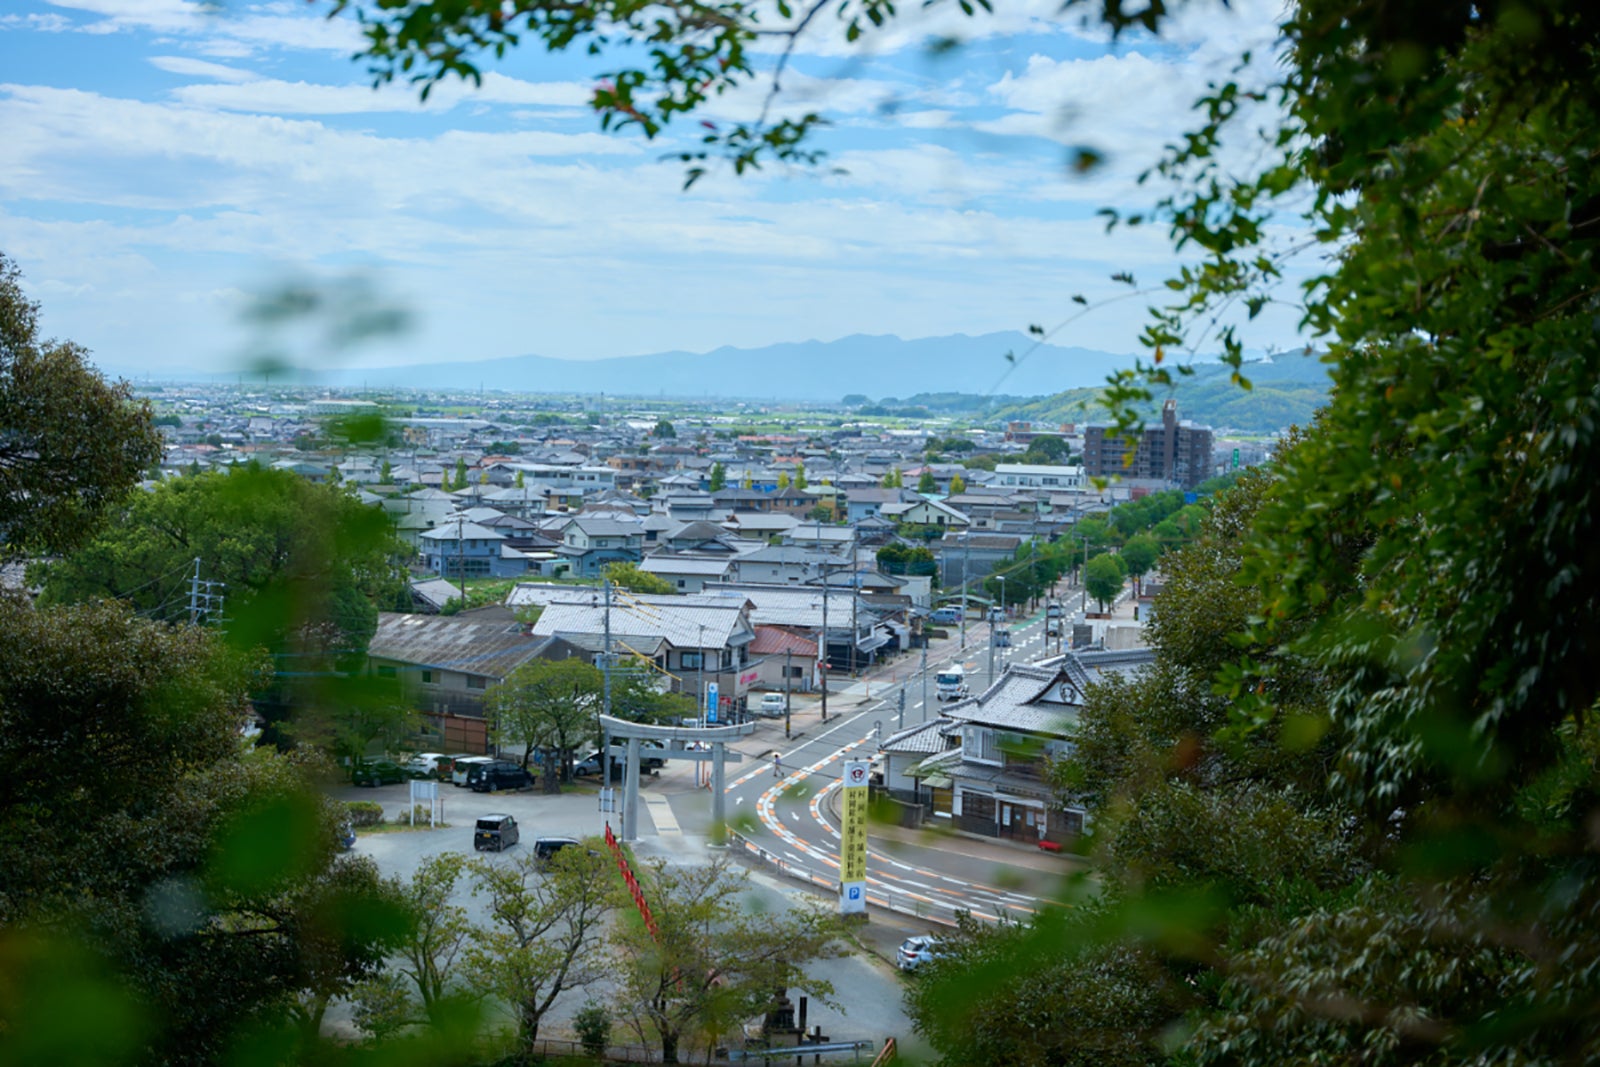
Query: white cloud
(220, 29)
(304, 98)
(199, 68)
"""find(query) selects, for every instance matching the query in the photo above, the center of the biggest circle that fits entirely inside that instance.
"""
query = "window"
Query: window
(427, 677)
(690, 661)
(794, 672)
(680, 583)
(475, 681)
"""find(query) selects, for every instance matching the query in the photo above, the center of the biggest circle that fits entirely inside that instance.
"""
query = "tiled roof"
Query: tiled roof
(683, 622)
(1029, 699)
(775, 641)
(924, 737)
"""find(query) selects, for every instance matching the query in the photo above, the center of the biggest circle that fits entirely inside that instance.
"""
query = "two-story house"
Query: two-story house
(589, 543)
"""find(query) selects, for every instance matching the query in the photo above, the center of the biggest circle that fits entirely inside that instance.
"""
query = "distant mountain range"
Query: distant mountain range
(874, 366)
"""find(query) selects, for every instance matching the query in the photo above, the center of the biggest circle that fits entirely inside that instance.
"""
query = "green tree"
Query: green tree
(719, 477)
(1139, 556)
(800, 477)
(56, 478)
(927, 483)
(386, 474)
(957, 485)
(461, 474)
(302, 567)
(420, 982)
(714, 962)
(1103, 578)
(520, 482)
(549, 706)
(1047, 449)
(631, 577)
(783, 480)
(664, 430)
(547, 918)
(191, 888)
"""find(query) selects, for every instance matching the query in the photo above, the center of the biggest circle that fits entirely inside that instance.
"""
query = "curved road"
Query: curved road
(787, 819)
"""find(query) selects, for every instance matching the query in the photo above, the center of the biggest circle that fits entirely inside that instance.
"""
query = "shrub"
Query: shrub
(365, 813)
(593, 1026)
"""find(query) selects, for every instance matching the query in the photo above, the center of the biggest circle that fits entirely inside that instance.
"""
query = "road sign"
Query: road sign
(853, 838)
(711, 702)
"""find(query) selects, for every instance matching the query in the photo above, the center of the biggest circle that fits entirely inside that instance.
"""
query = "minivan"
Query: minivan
(546, 847)
(495, 776)
(496, 832)
(947, 614)
(458, 771)
(477, 770)
(773, 705)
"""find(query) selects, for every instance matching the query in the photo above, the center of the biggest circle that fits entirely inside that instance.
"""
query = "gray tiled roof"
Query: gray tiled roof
(1028, 699)
(923, 737)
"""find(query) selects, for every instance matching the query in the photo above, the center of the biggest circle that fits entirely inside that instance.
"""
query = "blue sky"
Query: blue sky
(160, 164)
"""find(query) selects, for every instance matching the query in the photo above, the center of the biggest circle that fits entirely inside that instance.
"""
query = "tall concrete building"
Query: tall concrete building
(1173, 451)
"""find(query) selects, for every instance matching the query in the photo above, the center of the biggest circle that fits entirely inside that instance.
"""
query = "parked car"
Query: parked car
(478, 771)
(947, 614)
(1053, 610)
(495, 832)
(424, 764)
(459, 769)
(495, 776)
(378, 772)
(588, 765)
(546, 847)
(773, 705)
(915, 951)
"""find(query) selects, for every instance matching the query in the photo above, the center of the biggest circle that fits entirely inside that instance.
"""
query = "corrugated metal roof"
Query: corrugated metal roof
(685, 622)
(490, 649)
(774, 641)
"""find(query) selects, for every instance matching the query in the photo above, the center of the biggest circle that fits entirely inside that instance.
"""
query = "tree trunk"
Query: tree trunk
(550, 774)
(528, 1029)
(669, 1047)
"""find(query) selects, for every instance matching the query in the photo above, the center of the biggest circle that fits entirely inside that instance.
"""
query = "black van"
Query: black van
(494, 776)
(545, 848)
(477, 770)
(496, 832)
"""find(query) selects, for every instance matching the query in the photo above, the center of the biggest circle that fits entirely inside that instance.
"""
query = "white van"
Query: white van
(952, 682)
(458, 773)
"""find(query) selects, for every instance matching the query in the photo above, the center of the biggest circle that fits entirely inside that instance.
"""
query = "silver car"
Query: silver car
(915, 951)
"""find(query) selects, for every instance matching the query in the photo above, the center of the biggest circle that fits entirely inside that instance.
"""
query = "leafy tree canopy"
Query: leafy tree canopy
(630, 576)
(71, 444)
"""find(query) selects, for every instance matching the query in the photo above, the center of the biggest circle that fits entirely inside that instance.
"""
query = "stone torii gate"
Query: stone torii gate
(675, 738)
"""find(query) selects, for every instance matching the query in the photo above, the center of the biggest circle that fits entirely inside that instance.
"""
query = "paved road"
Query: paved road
(788, 819)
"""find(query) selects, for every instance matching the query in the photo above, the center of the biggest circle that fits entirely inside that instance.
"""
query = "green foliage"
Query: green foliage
(927, 483)
(716, 961)
(364, 813)
(899, 558)
(1048, 450)
(957, 485)
(664, 430)
(71, 444)
(719, 477)
(800, 477)
(1139, 555)
(629, 576)
(592, 1024)
(154, 866)
(549, 705)
(1103, 578)
(547, 918)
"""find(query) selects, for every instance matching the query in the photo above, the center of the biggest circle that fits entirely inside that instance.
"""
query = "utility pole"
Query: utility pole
(966, 559)
(194, 595)
(902, 723)
(788, 691)
(461, 560)
(822, 644)
(855, 598)
(924, 676)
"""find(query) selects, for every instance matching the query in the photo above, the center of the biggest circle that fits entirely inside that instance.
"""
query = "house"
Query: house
(590, 543)
(686, 572)
(447, 665)
(693, 641)
(1037, 476)
(990, 772)
(783, 660)
(464, 548)
(923, 512)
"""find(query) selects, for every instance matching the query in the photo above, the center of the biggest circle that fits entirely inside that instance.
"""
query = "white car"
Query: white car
(423, 764)
(915, 951)
(773, 705)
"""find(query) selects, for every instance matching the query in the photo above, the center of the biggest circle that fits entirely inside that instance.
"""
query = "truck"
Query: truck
(951, 683)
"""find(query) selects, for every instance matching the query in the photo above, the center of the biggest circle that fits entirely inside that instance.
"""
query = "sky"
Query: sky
(163, 163)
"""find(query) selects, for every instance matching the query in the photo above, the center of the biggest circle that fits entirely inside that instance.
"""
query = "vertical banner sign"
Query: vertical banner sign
(853, 839)
(711, 702)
